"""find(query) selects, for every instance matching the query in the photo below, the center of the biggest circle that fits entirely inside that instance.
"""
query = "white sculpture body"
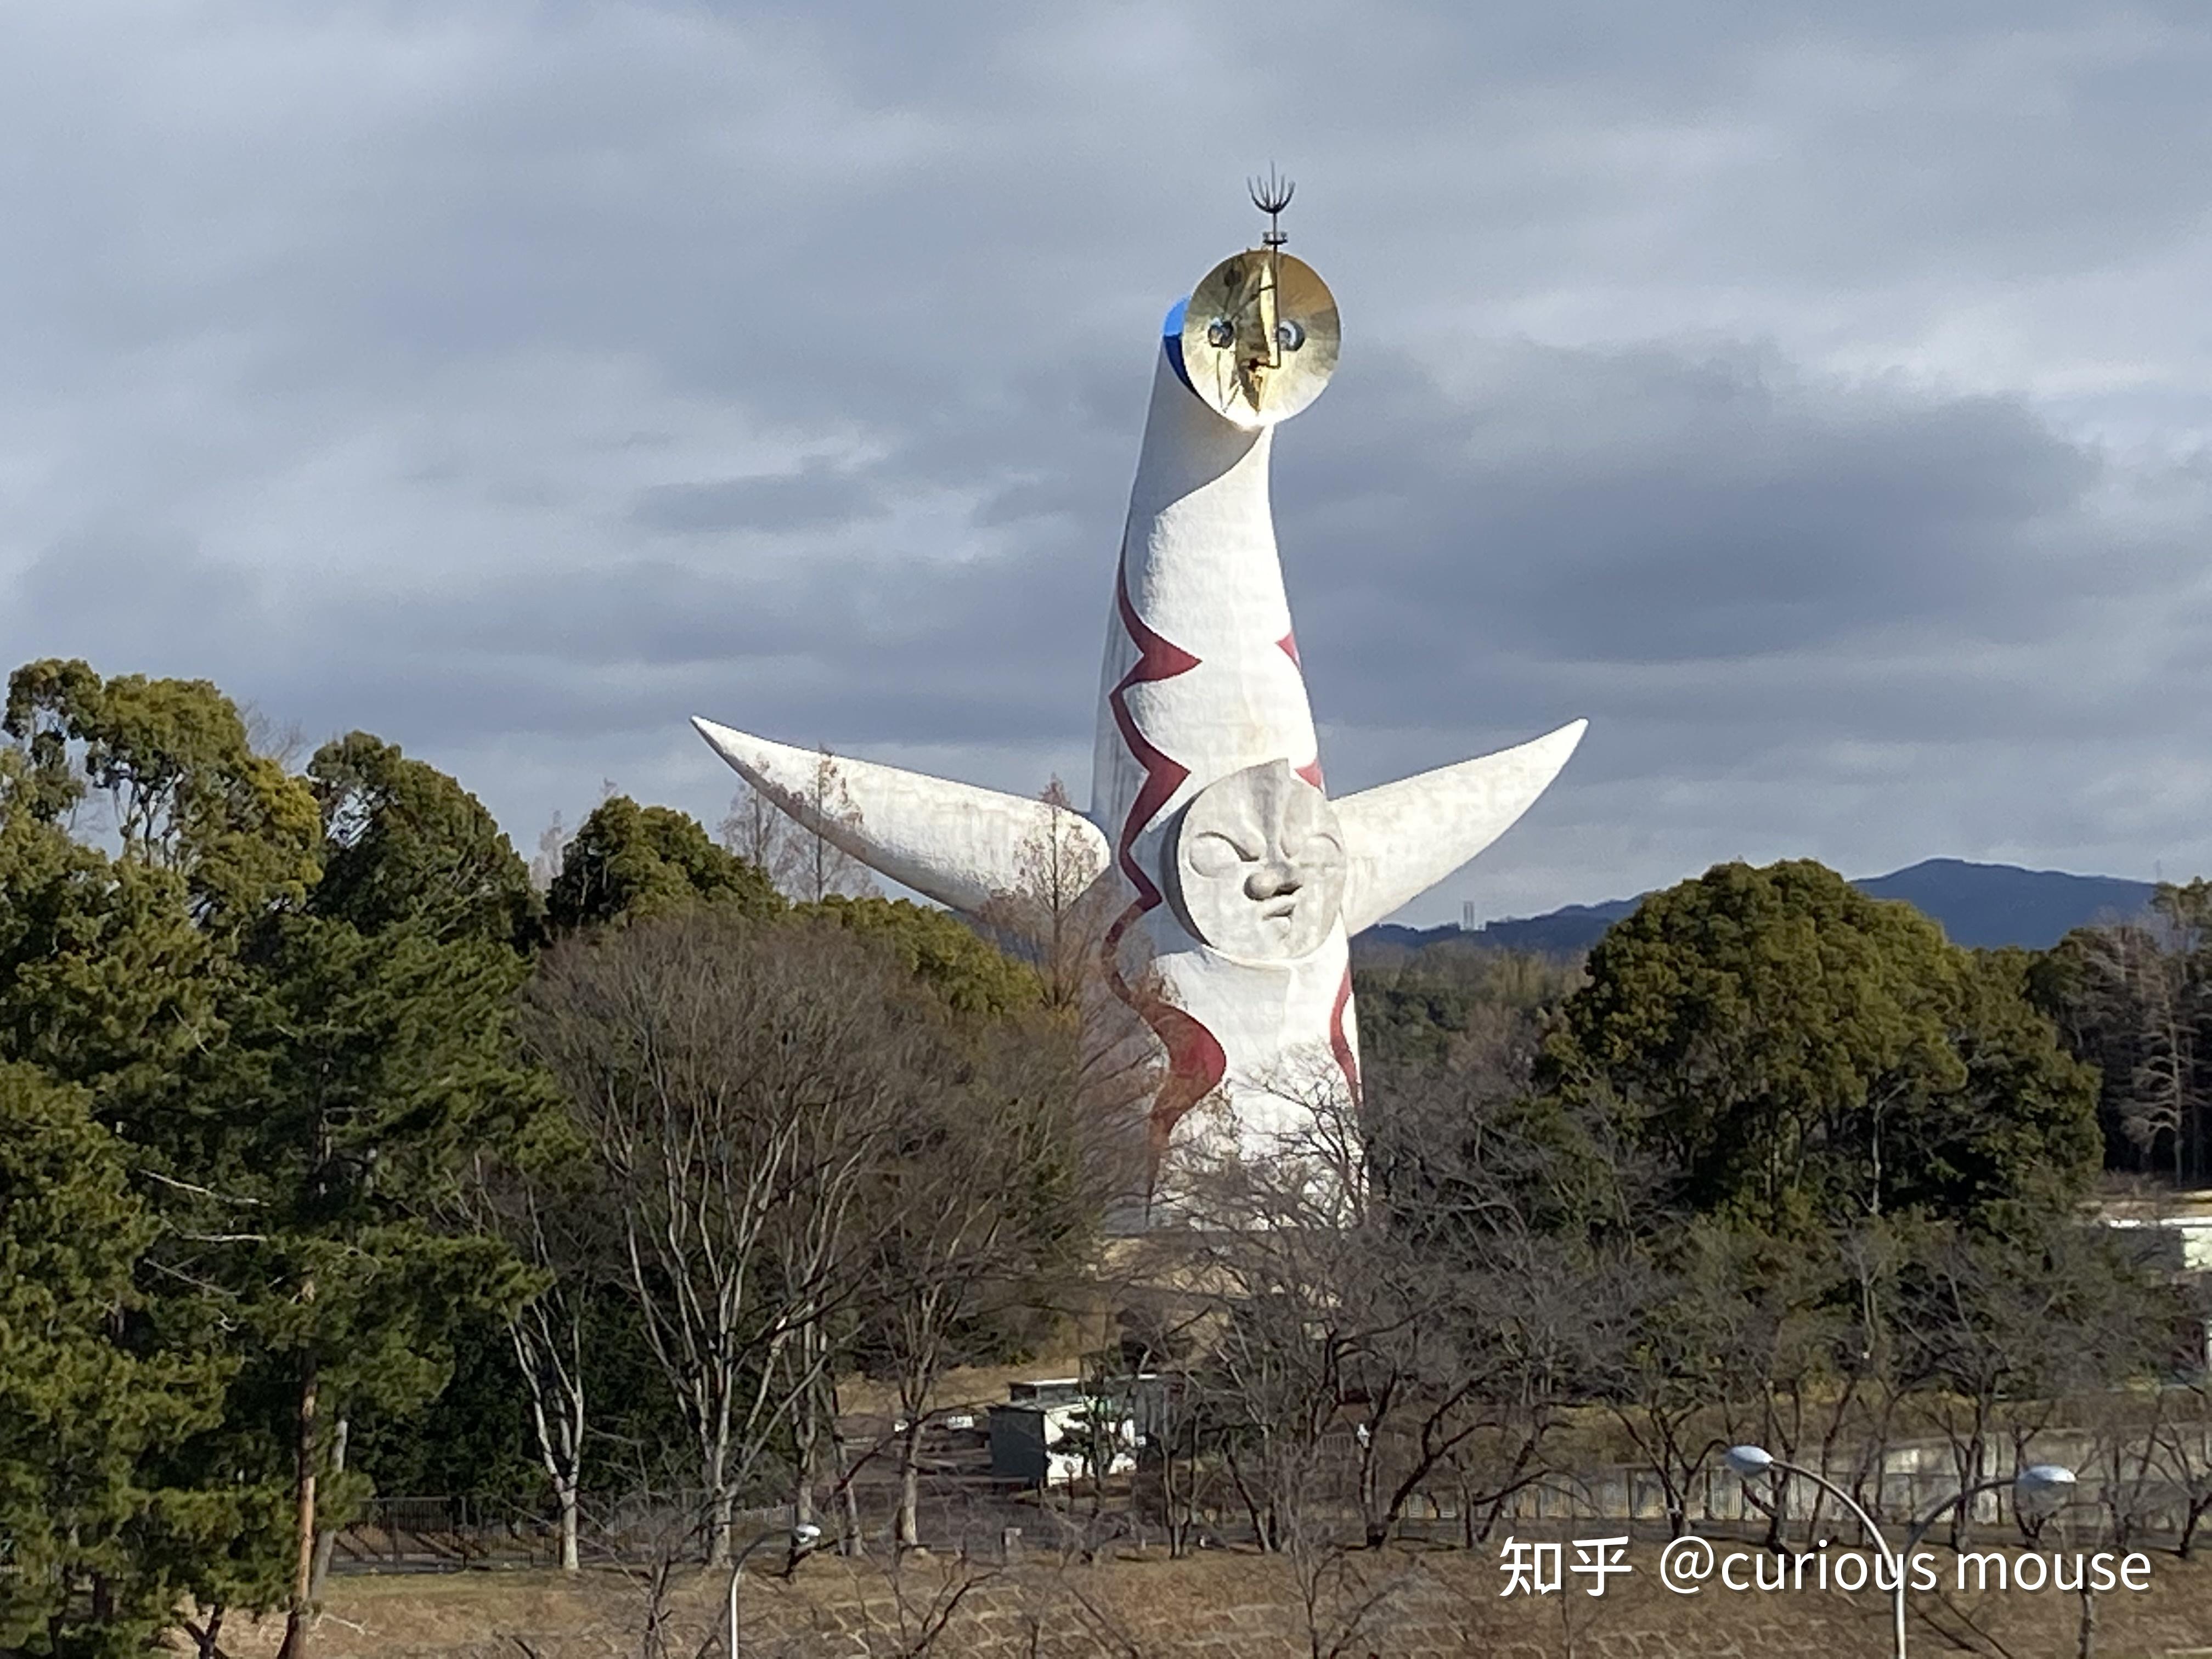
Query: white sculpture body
(1202, 684)
(1236, 882)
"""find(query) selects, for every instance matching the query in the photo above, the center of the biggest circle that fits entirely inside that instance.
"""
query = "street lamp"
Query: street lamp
(802, 1540)
(2038, 1486)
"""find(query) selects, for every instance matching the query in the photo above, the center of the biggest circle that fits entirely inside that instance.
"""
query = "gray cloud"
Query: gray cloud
(814, 497)
(1813, 396)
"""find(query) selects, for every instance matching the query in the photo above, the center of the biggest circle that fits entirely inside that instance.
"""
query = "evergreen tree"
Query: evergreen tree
(81, 1406)
(301, 1080)
(626, 860)
(404, 842)
(1798, 1053)
(971, 974)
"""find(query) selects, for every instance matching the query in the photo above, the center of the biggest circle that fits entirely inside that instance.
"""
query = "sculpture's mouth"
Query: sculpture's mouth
(1282, 909)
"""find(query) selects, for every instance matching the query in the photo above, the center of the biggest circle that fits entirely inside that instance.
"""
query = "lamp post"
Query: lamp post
(2037, 1483)
(802, 1540)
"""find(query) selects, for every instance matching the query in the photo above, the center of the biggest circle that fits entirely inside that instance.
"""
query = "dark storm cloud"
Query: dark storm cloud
(1813, 396)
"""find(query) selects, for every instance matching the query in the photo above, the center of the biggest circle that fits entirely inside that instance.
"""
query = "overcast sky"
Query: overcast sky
(1817, 396)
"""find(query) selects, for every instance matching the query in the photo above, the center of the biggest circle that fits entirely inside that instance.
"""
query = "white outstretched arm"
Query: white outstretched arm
(960, 845)
(1403, 838)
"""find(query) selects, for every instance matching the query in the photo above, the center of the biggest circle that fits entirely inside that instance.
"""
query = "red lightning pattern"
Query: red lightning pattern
(1157, 660)
(1341, 1043)
(1196, 1061)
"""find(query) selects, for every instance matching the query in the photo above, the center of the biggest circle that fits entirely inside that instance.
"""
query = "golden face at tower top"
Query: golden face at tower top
(1260, 338)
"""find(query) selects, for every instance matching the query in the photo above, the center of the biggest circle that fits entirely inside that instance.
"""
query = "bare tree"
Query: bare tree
(922, 1603)
(1497, 1305)
(2134, 1000)
(545, 864)
(1058, 909)
(986, 1202)
(763, 835)
(736, 1090)
(2181, 1454)
(1998, 1333)
(557, 1219)
(1343, 1600)
(282, 741)
(820, 868)
(1290, 1252)
(1375, 1330)
(780, 833)
(2143, 974)
(1060, 914)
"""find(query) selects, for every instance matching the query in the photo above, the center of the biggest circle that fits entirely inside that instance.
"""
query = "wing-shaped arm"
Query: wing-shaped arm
(961, 846)
(1403, 838)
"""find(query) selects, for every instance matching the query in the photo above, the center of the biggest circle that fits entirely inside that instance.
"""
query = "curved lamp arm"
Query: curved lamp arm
(801, 1539)
(1749, 1461)
(1915, 1529)
(2035, 1479)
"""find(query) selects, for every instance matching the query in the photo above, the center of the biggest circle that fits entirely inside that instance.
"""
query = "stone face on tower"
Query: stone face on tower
(1235, 882)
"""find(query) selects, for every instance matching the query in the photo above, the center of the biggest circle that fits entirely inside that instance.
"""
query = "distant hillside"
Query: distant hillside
(1986, 905)
(1982, 905)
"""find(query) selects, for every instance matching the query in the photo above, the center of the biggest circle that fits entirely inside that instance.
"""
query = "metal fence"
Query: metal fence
(454, 1533)
(973, 1514)
(1897, 1484)
(434, 1535)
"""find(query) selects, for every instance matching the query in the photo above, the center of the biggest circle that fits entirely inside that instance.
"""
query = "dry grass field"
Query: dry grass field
(1397, 1605)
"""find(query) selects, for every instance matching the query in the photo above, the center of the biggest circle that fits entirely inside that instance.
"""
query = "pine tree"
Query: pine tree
(81, 1405)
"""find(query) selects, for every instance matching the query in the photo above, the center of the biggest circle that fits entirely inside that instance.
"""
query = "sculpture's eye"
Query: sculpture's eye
(1216, 855)
(1221, 334)
(1289, 335)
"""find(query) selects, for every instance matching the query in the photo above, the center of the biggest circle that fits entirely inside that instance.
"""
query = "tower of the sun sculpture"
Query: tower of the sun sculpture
(1235, 881)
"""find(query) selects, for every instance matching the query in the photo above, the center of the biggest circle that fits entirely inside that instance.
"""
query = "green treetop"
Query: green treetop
(971, 974)
(289, 998)
(405, 842)
(1795, 1051)
(184, 787)
(628, 860)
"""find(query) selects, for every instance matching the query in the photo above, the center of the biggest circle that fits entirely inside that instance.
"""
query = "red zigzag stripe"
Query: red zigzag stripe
(1340, 1041)
(1196, 1062)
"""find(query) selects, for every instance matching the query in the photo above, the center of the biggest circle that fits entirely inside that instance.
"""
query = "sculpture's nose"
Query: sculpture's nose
(1271, 880)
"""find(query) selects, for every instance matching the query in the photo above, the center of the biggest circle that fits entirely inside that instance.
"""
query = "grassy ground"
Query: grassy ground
(1229, 1606)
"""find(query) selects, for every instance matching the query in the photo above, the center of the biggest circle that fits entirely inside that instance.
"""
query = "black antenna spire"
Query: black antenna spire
(1271, 198)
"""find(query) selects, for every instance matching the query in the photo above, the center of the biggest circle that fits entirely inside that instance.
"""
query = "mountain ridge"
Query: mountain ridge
(1982, 906)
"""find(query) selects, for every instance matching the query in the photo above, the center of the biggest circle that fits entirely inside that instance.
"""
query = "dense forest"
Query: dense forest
(342, 1151)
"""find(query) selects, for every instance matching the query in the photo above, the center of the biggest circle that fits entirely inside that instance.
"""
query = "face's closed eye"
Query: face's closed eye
(1218, 856)
(1316, 847)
